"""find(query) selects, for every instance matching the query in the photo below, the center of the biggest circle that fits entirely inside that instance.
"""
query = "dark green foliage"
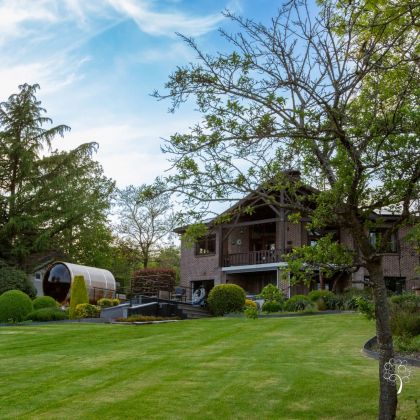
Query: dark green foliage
(226, 298)
(324, 299)
(349, 299)
(46, 314)
(105, 302)
(366, 307)
(14, 306)
(405, 315)
(407, 344)
(271, 293)
(271, 306)
(251, 313)
(78, 294)
(71, 183)
(298, 303)
(12, 278)
(86, 310)
(45, 302)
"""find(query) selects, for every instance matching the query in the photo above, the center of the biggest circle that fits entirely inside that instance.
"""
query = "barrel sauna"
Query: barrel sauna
(60, 275)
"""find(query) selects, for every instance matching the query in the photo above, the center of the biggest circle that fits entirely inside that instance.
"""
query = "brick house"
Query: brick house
(248, 252)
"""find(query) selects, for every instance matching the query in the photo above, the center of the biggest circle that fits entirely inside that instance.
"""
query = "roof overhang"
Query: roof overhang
(254, 268)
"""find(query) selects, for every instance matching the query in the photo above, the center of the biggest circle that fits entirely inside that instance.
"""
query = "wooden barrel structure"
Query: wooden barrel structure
(60, 275)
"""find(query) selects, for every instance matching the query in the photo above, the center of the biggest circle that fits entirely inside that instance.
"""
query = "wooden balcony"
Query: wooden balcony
(253, 257)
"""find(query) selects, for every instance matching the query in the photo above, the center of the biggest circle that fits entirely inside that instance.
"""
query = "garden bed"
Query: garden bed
(371, 350)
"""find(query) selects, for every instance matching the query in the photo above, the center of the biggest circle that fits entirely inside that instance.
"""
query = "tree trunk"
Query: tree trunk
(388, 391)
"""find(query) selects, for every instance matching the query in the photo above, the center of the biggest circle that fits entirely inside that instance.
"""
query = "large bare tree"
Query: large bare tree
(146, 221)
(331, 90)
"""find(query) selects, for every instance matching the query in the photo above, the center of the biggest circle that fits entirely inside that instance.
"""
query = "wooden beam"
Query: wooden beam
(253, 222)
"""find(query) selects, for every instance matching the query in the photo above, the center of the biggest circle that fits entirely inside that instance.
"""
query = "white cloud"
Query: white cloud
(52, 74)
(165, 23)
(15, 15)
(129, 149)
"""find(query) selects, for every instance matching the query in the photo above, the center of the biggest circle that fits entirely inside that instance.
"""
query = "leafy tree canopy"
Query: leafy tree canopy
(56, 200)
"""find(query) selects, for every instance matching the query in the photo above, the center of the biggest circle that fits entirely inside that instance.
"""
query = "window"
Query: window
(395, 284)
(375, 238)
(206, 245)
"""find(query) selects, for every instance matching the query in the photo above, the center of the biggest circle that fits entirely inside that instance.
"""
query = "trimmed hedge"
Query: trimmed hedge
(47, 314)
(226, 298)
(149, 281)
(45, 302)
(14, 306)
(12, 278)
(78, 295)
(298, 303)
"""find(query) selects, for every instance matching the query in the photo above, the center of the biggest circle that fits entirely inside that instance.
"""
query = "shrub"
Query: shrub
(14, 306)
(86, 310)
(226, 298)
(407, 344)
(271, 293)
(250, 304)
(47, 314)
(405, 315)
(14, 279)
(271, 306)
(107, 302)
(406, 301)
(348, 300)
(45, 302)
(251, 313)
(299, 303)
(78, 295)
(315, 295)
(366, 307)
(324, 299)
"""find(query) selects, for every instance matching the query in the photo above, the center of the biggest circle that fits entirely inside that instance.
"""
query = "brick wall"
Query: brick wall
(206, 267)
(199, 267)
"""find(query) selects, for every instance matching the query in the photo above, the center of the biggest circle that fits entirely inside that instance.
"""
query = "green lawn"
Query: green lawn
(221, 368)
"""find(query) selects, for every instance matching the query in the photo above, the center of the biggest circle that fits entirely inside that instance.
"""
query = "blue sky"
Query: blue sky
(97, 62)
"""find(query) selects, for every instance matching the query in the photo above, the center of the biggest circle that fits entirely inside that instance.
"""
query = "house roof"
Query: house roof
(292, 175)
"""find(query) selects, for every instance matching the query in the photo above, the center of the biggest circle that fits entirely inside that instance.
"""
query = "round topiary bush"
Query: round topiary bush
(14, 306)
(298, 303)
(47, 314)
(45, 302)
(12, 278)
(226, 298)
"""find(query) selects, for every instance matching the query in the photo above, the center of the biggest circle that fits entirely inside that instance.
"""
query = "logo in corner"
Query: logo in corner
(397, 372)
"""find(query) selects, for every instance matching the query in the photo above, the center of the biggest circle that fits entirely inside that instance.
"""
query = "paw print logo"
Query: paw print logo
(397, 372)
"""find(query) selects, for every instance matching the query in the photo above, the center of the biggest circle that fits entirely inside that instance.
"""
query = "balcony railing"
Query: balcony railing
(253, 257)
